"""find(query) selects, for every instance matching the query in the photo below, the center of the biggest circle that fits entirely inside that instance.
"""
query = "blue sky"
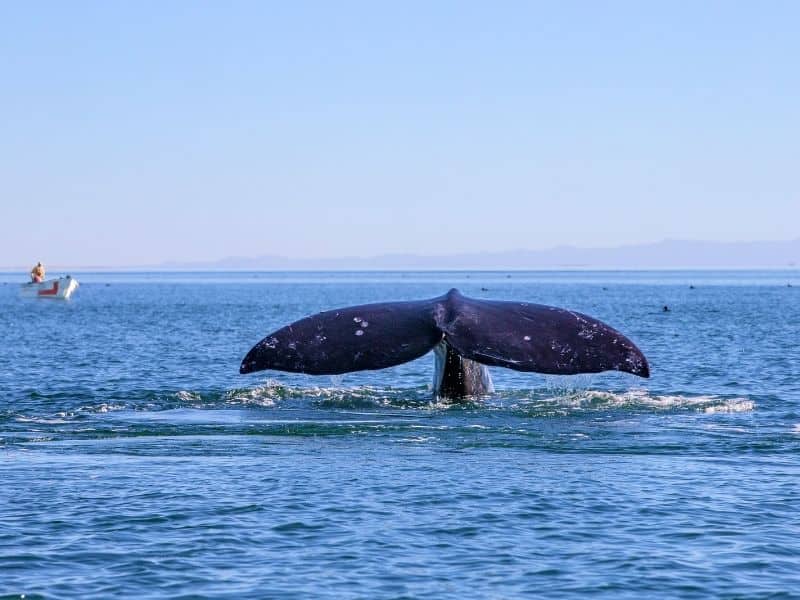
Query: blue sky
(139, 132)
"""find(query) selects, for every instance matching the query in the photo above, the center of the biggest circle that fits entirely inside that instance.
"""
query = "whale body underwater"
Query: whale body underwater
(466, 335)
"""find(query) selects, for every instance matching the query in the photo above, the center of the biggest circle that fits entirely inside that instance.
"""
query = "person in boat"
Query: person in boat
(37, 273)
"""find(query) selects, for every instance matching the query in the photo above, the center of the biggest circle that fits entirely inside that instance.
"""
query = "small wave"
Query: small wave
(541, 401)
(40, 420)
(420, 439)
(331, 397)
(731, 406)
(366, 397)
(103, 407)
(271, 393)
(259, 396)
(186, 396)
(640, 398)
(576, 400)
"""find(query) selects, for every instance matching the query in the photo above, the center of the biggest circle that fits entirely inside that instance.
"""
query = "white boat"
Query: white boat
(61, 288)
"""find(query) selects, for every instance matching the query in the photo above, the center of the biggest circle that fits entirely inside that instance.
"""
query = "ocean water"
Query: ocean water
(135, 461)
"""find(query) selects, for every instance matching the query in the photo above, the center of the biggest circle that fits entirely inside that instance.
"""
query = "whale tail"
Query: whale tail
(514, 335)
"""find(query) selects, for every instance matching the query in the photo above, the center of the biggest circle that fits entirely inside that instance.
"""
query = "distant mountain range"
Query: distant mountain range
(660, 255)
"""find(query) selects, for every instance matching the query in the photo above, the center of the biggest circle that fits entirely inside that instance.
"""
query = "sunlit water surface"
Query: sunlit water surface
(136, 462)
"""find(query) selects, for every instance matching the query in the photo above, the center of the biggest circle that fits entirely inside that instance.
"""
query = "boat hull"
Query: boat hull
(57, 289)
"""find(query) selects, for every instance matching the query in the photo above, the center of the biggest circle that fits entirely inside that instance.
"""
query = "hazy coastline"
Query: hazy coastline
(663, 255)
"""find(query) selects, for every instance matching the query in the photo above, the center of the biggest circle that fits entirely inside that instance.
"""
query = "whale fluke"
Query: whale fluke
(357, 338)
(514, 335)
(538, 338)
